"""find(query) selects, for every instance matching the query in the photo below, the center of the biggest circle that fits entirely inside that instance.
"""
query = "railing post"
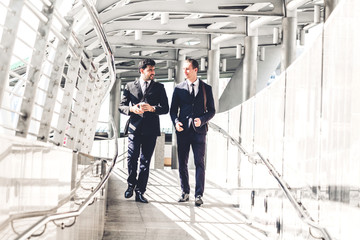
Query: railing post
(75, 128)
(54, 84)
(34, 72)
(94, 115)
(7, 42)
(71, 77)
(85, 108)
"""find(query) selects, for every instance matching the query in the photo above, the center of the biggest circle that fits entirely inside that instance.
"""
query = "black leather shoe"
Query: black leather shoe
(129, 192)
(140, 198)
(198, 201)
(184, 197)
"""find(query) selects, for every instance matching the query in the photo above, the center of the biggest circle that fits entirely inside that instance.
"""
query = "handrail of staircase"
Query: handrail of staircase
(88, 201)
(298, 206)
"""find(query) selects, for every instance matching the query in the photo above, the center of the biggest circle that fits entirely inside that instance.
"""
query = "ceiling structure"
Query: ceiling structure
(165, 29)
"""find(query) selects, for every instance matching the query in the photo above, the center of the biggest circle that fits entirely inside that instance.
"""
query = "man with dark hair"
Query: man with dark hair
(144, 100)
(195, 101)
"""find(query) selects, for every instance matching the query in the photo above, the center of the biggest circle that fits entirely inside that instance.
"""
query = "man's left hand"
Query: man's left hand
(197, 122)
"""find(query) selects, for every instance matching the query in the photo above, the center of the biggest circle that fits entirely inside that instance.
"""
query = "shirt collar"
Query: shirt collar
(142, 82)
(196, 83)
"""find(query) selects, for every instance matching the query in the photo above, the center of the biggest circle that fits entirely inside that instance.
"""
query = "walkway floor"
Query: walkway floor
(163, 218)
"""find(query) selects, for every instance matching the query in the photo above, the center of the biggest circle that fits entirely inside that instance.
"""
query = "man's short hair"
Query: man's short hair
(146, 62)
(193, 62)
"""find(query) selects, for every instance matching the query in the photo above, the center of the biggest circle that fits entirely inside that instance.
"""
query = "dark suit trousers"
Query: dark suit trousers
(197, 142)
(142, 145)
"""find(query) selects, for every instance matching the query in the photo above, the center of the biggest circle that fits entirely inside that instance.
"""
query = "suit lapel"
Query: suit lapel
(138, 89)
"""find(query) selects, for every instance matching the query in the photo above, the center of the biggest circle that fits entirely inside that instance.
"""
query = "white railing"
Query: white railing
(51, 88)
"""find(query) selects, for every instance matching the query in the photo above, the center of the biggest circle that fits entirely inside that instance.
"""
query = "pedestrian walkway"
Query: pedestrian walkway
(163, 218)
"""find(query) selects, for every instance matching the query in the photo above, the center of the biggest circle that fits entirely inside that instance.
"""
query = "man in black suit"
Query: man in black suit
(144, 100)
(195, 101)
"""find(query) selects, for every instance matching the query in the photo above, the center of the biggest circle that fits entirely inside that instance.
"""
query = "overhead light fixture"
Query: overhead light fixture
(164, 18)
(238, 51)
(202, 64)
(262, 54)
(223, 67)
(138, 35)
(276, 35)
(170, 73)
(238, 7)
(302, 37)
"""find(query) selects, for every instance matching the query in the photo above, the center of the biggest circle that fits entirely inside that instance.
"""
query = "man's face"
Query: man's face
(190, 72)
(148, 73)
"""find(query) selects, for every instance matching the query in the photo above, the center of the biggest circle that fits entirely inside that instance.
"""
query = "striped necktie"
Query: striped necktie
(192, 90)
(146, 86)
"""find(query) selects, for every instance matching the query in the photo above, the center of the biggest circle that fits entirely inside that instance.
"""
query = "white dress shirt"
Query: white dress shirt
(142, 84)
(196, 85)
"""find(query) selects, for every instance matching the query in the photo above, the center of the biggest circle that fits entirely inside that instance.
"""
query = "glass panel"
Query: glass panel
(340, 165)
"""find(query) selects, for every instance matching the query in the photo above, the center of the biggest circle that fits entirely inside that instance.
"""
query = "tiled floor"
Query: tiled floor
(163, 218)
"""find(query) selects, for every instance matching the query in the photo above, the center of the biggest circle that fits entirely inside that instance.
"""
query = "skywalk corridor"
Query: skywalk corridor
(164, 218)
(283, 149)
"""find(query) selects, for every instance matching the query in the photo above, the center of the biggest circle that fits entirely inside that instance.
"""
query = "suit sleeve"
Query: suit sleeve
(210, 107)
(124, 103)
(174, 108)
(163, 106)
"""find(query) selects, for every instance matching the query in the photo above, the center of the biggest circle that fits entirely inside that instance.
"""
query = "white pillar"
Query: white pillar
(115, 96)
(288, 53)
(213, 74)
(179, 77)
(249, 67)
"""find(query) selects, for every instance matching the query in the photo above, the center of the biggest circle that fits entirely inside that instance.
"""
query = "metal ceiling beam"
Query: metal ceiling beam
(227, 7)
(179, 26)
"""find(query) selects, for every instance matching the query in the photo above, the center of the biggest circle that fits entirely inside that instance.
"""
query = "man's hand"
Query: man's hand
(197, 122)
(178, 127)
(136, 109)
(146, 107)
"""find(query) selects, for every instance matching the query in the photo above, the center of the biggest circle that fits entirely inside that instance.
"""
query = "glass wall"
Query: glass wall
(307, 124)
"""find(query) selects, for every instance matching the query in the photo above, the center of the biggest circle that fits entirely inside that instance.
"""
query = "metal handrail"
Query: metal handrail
(104, 43)
(299, 208)
(57, 216)
(111, 63)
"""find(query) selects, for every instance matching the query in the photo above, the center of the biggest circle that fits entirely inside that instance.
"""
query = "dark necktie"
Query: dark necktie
(146, 86)
(192, 90)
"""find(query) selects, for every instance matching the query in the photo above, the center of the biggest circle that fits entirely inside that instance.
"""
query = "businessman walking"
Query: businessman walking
(191, 108)
(144, 100)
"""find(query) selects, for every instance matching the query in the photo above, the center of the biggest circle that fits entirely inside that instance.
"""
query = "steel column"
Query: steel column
(249, 68)
(213, 73)
(288, 53)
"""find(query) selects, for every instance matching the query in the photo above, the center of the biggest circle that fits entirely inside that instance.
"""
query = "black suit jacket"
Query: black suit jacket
(149, 123)
(183, 106)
